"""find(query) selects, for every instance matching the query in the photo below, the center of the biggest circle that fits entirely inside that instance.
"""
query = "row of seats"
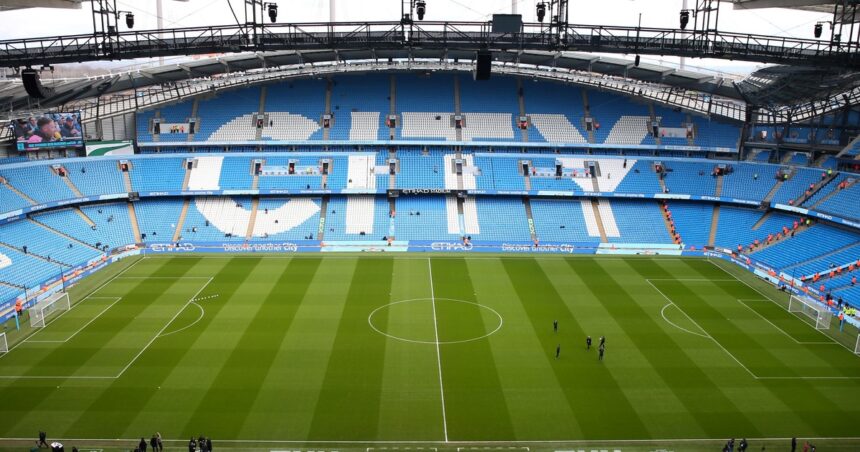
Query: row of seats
(359, 106)
(418, 168)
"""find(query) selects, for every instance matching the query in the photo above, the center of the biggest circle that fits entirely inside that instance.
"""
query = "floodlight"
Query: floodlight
(421, 8)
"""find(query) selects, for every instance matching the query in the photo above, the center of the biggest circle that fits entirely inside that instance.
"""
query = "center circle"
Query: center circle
(421, 324)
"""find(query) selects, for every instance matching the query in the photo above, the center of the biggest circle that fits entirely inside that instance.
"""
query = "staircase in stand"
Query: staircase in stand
(132, 216)
(587, 115)
(261, 109)
(17, 192)
(595, 205)
(769, 197)
(252, 221)
(830, 195)
(71, 186)
(30, 253)
(528, 205)
(63, 234)
(521, 100)
(715, 221)
(84, 216)
(816, 188)
(177, 234)
(187, 175)
(323, 212)
(126, 182)
(667, 223)
(719, 189)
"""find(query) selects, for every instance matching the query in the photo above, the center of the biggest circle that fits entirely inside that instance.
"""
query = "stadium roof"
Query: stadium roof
(68, 90)
(817, 6)
(782, 93)
(9, 5)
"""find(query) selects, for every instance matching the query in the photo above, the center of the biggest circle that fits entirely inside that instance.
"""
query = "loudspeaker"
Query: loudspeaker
(33, 84)
(485, 64)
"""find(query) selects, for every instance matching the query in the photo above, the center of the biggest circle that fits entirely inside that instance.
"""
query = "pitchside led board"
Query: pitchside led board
(48, 131)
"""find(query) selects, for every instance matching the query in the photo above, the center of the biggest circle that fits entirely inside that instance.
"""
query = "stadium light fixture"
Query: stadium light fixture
(636, 61)
(685, 18)
(420, 9)
(541, 11)
(819, 27)
(129, 19)
(273, 11)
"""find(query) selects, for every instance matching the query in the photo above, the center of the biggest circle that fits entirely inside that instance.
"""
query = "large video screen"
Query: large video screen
(49, 131)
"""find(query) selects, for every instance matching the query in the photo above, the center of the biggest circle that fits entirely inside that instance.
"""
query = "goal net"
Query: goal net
(857, 346)
(818, 312)
(4, 345)
(55, 303)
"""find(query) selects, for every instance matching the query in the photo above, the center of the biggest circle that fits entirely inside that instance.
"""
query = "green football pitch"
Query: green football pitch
(440, 353)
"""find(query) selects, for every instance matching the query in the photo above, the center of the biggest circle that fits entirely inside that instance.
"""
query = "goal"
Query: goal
(818, 312)
(4, 345)
(55, 303)
(857, 346)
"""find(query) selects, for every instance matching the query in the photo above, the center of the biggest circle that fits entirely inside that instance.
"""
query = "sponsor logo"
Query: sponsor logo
(450, 246)
(260, 247)
(423, 191)
(158, 193)
(522, 248)
(171, 247)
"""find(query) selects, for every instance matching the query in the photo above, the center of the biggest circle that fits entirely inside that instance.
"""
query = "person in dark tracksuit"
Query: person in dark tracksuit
(142, 445)
(209, 444)
(43, 439)
(588, 342)
(555, 326)
(192, 445)
(557, 350)
(601, 349)
(153, 443)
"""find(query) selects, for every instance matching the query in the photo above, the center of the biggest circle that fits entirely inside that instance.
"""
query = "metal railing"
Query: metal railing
(449, 35)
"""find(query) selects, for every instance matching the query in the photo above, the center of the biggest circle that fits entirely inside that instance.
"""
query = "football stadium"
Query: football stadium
(430, 225)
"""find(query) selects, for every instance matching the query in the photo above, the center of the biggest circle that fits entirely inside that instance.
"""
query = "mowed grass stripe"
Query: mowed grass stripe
(410, 405)
(348, 406)
(656, 403)
(589, 387)
(535, 397)
(288, 395)
(702, 397)
(85, 403)
(175, 368)
(235, 385)
(828, 359)
(794, 406)
(474, 398)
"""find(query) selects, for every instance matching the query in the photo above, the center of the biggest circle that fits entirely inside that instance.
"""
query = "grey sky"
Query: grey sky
(656, 13)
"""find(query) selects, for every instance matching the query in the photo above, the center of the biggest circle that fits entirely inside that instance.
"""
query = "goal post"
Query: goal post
(857, 346)
(4, 344)
(55, 303)
(818, 312)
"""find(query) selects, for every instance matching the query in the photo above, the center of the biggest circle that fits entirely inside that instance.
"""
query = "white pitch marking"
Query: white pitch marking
(663, 314)
(776, 303)
(743, 302)
(190, 300)
(704, 330)
(438, 353)
(116, 300)
(110, 280)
